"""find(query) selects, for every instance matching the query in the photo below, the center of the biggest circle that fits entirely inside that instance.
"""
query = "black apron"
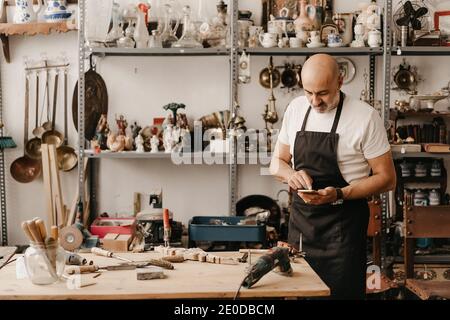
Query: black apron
(334, 236)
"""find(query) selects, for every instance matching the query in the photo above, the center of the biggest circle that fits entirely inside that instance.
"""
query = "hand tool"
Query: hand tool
(166, 228)
(75, 259)
(279, 257)
(105, 253)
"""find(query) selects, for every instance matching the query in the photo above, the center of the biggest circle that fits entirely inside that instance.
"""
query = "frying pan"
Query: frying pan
(26, 169)
(67, 158)
(33, 146)
(53, 136)
(96, 101)
(289, 77)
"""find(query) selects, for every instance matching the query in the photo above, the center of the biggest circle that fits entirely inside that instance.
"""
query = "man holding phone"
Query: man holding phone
(333, 143)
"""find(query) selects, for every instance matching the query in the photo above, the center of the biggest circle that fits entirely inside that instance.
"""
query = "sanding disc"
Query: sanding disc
(70, 238)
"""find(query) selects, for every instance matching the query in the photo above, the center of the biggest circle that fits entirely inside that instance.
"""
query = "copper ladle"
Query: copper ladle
(67, 158)
(53, 136)
(26, 169)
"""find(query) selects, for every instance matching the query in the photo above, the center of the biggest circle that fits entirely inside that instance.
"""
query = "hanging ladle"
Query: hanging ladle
(67, 158)
(46, 126)
(26, 169)
(53, 136)
(33, 146)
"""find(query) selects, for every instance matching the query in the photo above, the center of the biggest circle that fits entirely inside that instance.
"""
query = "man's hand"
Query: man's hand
(300, 180)
(323, 196)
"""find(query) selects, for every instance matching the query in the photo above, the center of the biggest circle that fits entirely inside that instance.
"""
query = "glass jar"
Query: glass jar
(44, 264)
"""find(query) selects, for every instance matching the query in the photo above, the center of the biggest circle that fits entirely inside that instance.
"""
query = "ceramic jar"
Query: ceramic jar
(420, 198)
(436, 169)
(434, 198)
(56, 11)
(420, 170)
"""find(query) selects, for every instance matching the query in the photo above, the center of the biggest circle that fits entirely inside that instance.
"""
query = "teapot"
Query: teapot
(374, 39)
(56, 11)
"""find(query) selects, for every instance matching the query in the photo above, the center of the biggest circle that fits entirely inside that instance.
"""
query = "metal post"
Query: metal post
(3, 220)
(372, 77)
(81, 96)
(385, 115)
(234, 61)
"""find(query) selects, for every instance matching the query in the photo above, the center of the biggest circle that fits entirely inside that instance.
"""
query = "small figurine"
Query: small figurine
(135, 129)
(118, 145)
(174, 108)
(139, 141)
(168, 138)
(154, 141)
(122, 125)
(101, 132)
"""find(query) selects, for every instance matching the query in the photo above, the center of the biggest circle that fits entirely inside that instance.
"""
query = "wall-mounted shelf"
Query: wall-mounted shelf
(421, 51)
(247, 159)
(396, 114)
(398, 155)
(34, 28)
(28, 29)
(160, 52)
(343, 51)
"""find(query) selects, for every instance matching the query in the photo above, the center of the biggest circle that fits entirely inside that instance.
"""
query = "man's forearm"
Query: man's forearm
(369, 186)
(280, 169)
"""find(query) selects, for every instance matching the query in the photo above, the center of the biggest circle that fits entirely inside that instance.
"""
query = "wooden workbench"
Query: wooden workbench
(189, 279)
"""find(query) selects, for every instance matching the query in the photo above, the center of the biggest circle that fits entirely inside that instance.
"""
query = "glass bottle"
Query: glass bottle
(187, 40)
(44, 263)
(116, 32)
(168, 36)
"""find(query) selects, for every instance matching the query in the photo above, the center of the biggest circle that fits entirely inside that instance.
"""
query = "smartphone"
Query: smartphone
(308, 191)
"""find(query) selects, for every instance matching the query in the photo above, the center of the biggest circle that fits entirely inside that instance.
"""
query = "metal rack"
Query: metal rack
(384, 52)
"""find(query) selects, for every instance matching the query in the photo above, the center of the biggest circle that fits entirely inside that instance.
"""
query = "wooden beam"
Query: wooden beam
(427, 222)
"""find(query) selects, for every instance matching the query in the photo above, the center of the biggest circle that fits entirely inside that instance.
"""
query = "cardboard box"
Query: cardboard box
(116, 242)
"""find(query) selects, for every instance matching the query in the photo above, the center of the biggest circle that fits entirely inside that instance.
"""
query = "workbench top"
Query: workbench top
(189, 279)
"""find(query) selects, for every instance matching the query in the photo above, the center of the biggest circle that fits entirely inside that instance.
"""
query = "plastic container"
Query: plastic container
(201, 229)
(44, 264)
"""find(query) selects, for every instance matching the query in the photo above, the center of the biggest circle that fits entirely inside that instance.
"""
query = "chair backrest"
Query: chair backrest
(423, 222)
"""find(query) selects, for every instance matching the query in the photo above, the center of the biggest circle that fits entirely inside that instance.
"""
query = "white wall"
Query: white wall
(139, 87)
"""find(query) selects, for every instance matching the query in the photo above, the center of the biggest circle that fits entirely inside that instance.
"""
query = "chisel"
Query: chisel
(109, 254)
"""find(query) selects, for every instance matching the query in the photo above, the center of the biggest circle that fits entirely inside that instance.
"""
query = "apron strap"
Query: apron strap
(336, 117)
(306, 119)
(338, 112)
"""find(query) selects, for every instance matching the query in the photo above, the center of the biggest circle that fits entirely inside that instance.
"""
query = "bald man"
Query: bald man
(334, 142)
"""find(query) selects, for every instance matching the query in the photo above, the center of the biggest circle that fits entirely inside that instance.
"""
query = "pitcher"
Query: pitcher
(304, 22)
(25, 12)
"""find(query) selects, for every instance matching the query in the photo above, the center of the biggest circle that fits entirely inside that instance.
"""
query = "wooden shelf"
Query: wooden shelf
(397, 114)
(34, 28)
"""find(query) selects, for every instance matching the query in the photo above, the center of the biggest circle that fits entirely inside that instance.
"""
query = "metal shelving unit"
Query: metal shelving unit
(386, 52)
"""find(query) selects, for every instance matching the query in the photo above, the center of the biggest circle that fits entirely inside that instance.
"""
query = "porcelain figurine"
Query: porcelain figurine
(139, 141)
(168, 138)
(118, 145)
(122, 125)
(154, 142)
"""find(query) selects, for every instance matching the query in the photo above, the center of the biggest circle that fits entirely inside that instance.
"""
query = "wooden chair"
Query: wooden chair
(425, 222)
(374, 232)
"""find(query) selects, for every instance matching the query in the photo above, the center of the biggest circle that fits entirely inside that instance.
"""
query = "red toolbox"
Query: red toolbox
(101, 226)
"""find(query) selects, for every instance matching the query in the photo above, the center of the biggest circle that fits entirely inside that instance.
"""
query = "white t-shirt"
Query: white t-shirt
(361, 132)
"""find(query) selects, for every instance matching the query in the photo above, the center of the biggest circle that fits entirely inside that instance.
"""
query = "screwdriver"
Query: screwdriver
(105, 253)
(166, 228)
